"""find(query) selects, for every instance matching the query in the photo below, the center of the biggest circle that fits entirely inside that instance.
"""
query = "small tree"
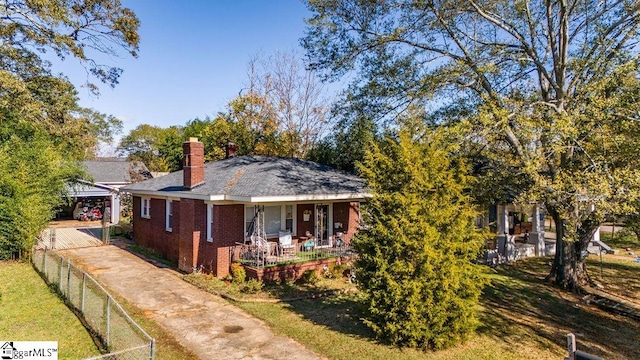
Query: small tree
(417, 248)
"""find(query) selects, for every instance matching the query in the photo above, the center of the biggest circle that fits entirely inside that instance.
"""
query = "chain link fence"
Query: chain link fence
(118, 333)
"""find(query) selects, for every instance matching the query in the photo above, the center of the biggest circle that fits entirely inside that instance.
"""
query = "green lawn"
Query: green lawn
(521, 318)
(621, 241)
(31, 312)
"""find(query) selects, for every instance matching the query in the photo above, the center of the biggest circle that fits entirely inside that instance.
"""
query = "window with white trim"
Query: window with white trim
(169, 215)
(209, 223)
(288, 216)
(145, 207)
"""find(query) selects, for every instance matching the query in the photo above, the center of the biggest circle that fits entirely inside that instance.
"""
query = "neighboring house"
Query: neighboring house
(93, 200)
(520, 231)
(195, 217)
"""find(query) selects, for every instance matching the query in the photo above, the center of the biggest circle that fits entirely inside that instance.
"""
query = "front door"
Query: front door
(322, 227)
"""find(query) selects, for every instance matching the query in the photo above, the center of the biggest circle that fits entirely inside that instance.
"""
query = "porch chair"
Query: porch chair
(286, 242)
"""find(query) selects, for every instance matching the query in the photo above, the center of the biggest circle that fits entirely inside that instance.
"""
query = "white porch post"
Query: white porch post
(503, 227)
(537, 232)
(596, 235)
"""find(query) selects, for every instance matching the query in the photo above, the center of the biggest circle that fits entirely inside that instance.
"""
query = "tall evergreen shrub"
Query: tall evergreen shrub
(418, 243)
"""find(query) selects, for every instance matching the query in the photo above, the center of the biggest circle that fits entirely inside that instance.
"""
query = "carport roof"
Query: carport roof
(116, 171)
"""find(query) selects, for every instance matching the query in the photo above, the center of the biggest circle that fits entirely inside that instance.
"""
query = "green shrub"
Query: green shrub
(337, 270)
(415, 256)
(238, 274)
(252, 286)
(309, 277)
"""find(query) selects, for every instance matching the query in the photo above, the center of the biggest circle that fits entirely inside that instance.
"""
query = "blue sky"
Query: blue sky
(193, 57)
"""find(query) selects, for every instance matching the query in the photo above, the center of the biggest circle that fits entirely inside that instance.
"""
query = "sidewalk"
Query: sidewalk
(202, 322)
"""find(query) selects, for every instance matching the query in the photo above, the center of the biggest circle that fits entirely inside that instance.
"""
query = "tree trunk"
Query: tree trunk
(569, 269)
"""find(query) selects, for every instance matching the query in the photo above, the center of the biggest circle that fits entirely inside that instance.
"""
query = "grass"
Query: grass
(269, 291)
(622, 241)
(620, 275)
(31, 311)
(521, 317)
(149, 254)
(519, 304)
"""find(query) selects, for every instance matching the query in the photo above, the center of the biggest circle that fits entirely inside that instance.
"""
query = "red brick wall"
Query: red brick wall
(303, 226)
(193, 232)
(347, 214)
(187, 243)
(228, 230)
(291, 271)
(151, 233)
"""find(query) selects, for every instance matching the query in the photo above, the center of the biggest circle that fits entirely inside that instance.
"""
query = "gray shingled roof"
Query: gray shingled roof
(117, 171)
(257, 176)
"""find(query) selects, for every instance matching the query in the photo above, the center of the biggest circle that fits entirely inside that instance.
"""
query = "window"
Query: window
(289, 218)
(276, 218)
(249, 213)
(169, 215)
(209, 223)
(272, 220)
(145, 207)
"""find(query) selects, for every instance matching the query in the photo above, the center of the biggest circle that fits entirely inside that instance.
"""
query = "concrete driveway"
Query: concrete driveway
(70, 238)
(202, 322)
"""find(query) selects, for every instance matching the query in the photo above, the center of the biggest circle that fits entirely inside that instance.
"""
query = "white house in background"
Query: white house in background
(511, 222)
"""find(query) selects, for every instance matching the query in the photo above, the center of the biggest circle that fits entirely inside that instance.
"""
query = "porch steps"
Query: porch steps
(594, 247)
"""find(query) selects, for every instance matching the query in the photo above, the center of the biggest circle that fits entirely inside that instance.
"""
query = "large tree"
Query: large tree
(43, 130)
(158, 148)
(81, 29)
(294, 95)
(548, 88)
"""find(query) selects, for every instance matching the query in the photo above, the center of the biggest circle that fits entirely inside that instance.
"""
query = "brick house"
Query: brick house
(196, 216)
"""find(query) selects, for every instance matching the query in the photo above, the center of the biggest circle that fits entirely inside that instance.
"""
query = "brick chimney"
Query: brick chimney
(193, 163)
(231, 149)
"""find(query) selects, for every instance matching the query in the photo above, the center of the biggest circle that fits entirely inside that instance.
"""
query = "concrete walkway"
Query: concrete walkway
(204, 323)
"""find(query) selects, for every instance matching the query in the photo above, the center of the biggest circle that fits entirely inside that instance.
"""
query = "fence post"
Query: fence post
(571, 346)
(60, 279)
(69, 279)
(153, 349)
(108, 320)
(44, 263)
(84, 286)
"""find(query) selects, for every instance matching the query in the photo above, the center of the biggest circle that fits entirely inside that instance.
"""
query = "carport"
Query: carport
(86, 197)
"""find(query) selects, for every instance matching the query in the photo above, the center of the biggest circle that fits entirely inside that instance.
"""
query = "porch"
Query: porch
(273, 261)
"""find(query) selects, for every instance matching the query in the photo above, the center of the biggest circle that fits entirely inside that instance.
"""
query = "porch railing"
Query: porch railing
(274, 254)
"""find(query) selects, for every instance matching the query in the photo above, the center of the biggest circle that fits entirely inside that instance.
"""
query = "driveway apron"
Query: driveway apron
(206, 324)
